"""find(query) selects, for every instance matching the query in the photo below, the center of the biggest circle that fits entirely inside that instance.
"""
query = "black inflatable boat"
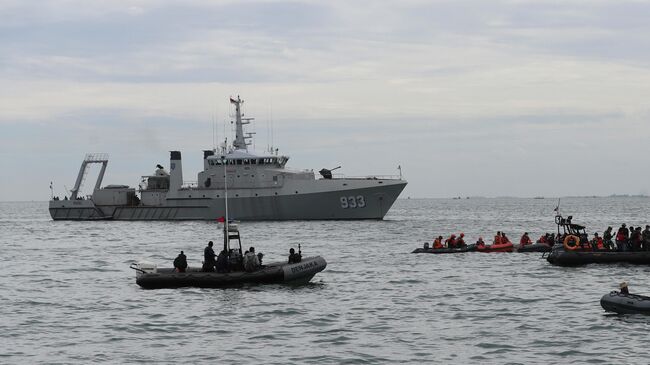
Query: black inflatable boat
(561, 257)
(535, 247)
(625, 303)
(148, 276)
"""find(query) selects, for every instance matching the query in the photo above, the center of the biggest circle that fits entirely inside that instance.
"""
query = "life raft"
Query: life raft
(497, 247)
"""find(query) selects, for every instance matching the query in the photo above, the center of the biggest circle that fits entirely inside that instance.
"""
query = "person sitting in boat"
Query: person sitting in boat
(597, 242)
(621, 238)
(437, 243)
(543, 238)
(251, 261)
(623, 288)
(460, 242)
(451, 241)
(180, 262)
(504, 239)
(222, 262)
(525, 240)
(160, 171)
(497, 239)
(294, 257)
(208, 258)
(645, 236)
(480, 244)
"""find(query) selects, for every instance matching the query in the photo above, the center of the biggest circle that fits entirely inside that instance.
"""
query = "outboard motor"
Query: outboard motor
(327, 173)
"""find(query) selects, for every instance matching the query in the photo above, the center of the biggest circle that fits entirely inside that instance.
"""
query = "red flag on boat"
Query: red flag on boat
(221, 219)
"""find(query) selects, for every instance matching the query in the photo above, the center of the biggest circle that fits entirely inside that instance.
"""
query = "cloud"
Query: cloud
(454, 88)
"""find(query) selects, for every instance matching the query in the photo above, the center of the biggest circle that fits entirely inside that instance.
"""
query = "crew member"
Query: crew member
(222, 262)
(294, 257)
(251, 261)
(480, 244)
(209, 258)
(497, 239)
(624, 288)
(597, 242)
(437, 243)
(504, 239)
(460, 242)
(607, 239)
(451, 241)
(525, 240)
(621, 238)
(646, 238)
(180, 262)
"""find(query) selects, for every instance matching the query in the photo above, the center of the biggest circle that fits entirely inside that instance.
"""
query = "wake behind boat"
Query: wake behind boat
(262, 189)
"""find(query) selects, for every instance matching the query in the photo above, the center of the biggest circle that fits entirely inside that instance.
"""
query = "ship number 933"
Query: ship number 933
(351, 202)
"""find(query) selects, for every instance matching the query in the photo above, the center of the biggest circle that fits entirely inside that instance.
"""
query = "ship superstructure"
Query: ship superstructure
(259, 186)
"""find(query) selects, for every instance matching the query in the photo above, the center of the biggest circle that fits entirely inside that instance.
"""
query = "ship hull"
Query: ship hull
(371, 202)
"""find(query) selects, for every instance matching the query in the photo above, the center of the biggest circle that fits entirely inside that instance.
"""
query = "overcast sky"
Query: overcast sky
(471, 98)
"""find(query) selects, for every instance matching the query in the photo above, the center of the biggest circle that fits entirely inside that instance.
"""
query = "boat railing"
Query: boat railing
(371, 177)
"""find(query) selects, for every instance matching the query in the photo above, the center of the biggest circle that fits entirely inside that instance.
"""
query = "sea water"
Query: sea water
(68, 296)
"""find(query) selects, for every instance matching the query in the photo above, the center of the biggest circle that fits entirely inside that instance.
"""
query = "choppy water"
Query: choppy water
(68, 296)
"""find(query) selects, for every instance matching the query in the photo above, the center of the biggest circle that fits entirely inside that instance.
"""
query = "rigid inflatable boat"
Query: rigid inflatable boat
(561, 257)
(148, 276)
(468, 248)
(625, 303)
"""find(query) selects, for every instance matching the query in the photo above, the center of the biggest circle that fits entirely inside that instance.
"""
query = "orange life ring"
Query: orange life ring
(572, 242)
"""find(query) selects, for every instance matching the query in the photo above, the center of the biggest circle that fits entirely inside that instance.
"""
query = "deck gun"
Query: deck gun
(327, 173)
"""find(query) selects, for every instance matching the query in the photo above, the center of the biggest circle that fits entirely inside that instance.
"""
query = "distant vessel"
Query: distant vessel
(259, 185)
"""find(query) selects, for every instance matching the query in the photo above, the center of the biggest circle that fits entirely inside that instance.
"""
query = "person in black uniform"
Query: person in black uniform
(180, 262)
(209, 258)
(294, 257)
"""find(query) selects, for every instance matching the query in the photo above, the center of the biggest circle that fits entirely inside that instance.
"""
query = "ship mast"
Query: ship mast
(240, 142)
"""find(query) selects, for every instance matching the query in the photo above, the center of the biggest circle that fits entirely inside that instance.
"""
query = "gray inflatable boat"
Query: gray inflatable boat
(625, 303)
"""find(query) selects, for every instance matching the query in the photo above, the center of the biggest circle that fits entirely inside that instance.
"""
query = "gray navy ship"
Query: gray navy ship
(258, 186)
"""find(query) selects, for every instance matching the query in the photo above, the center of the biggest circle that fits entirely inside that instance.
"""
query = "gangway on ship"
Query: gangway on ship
(91, 158)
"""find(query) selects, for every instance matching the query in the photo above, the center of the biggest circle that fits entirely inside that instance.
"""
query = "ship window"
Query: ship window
(246, 162)
(239, 162)
(274, 161)
(275, 178)
(254, 161)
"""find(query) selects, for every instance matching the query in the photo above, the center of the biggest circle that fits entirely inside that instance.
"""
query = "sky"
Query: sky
(471, 98)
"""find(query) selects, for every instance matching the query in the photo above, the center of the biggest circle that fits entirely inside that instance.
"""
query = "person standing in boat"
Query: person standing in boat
(209, 261)
(621, 238)
(607, 239)
(636, 239)
(251, 261)
(525, 240)
(646, 238)
(180, 262)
